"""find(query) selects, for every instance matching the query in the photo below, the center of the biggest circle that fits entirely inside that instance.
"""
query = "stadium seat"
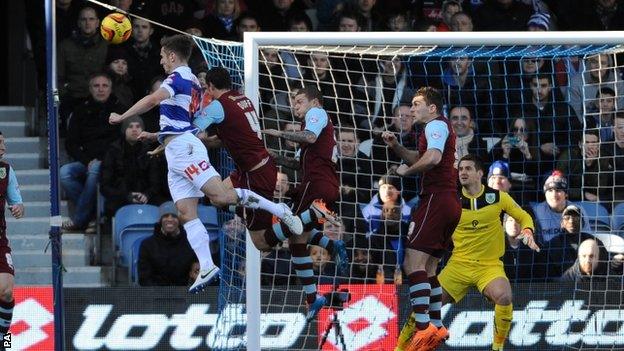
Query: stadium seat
(126, 241)
(617, 220)
(130, 222)
(133, 216)
(597, 215)
(133, 269)
(208, 216)
(613, 243)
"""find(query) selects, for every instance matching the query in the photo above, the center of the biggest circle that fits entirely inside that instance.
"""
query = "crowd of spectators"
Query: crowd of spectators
(526, 116)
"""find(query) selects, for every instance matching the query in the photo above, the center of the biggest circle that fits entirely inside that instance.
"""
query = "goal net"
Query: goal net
(528, 106)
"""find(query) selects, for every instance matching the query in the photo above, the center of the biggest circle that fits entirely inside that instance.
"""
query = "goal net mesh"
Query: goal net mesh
(524, 110)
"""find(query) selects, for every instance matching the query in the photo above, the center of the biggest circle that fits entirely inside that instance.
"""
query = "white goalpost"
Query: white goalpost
(268, 289)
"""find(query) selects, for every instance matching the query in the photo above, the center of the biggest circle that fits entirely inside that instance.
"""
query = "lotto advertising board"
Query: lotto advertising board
(546, 317)
(32, 328)
(555, 316)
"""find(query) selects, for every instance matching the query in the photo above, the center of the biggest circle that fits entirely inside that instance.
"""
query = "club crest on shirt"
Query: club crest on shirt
(490, 198)
(2, 173)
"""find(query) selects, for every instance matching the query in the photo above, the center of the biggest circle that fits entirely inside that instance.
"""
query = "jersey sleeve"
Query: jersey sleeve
(13, 193)
(436, 133)
(211, 114)
(315, 120)
(172, 84)
(514, 210)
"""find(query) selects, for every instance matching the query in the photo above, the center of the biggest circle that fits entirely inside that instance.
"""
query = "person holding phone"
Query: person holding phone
(518, 148)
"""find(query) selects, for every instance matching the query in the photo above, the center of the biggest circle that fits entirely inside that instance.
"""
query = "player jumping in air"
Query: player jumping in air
(237, 127)
(437, 215)
(478, 245)
(191, 176)
(319, 189)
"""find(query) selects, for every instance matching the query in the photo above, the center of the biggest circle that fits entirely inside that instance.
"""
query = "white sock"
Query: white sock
(250, 199)
(200, 242)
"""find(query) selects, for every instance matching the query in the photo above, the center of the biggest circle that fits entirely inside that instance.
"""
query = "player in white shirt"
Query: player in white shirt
(191, 176)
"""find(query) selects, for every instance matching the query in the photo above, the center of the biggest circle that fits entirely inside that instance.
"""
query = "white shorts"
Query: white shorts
(189, 167)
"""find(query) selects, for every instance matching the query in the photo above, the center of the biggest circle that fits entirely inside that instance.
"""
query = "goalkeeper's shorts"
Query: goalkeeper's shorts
(458, 277)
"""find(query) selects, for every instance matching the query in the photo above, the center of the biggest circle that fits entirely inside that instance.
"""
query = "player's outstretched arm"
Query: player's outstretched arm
(301, 137)
(285, 161)
(408, 156)
(428, 160)
(145, 104)
(521, 216)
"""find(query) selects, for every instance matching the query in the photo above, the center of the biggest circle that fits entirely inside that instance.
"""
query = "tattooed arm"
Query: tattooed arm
(285, 161)
(301, 137)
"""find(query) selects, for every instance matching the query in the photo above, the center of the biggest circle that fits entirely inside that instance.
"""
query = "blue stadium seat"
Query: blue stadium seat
(127, 239)
(133, 216)
(597, 215)
(133, 272)
(617, 221)
(129, 223)
(209, 217)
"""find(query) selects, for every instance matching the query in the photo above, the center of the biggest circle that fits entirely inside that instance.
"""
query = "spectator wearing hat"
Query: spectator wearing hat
(166, 257)
(499, 175)
(386, 219)
(559, 254)
(129, 175)
(539, 22)
(117, 67)
(387, 201)
(88, 140)
(548, 214)
(590, 174)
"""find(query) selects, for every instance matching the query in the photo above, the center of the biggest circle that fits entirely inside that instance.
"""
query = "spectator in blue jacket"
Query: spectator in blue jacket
(548, 214)
(386, 222)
